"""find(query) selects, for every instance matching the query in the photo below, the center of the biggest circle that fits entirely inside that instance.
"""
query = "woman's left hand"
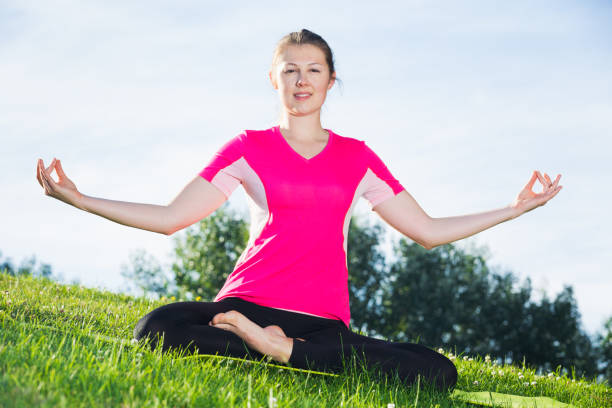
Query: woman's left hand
(527, 200)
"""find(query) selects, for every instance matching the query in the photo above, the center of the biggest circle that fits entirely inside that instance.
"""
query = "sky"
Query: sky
(461, 100)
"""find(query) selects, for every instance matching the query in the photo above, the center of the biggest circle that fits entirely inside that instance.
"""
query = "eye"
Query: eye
(289, 70)
(315, 70)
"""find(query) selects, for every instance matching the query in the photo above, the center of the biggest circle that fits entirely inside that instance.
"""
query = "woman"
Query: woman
(287, 297)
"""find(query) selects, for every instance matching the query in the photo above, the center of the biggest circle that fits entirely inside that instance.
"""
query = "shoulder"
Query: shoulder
(357, 148)
(255, 135)
(349, 143)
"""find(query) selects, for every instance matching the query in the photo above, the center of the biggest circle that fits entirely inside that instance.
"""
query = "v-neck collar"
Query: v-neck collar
(276, 130)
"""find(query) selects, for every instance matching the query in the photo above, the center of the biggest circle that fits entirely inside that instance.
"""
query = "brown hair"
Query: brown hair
(306, 37)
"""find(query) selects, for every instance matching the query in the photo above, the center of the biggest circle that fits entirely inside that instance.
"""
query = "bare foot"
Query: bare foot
(270, 340)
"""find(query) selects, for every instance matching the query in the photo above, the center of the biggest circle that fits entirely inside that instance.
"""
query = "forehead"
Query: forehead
(301, 55)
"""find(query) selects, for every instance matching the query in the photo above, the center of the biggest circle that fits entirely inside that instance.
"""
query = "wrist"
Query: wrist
(514, 211)
(78, 201)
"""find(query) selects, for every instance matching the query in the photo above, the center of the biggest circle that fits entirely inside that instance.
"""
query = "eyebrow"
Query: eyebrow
(312, 63)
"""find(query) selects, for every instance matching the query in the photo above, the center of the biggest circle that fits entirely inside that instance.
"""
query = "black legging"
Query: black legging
(328, 341)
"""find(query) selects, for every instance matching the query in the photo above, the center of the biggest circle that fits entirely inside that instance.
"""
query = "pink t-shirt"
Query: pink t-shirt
(300, 210)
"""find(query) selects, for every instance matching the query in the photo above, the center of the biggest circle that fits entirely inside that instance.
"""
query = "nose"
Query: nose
(301, 80)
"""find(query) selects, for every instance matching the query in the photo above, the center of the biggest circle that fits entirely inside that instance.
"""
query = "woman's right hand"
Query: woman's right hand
(64, 189)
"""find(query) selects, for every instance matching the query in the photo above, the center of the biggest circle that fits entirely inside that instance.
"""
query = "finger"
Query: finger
(548, 180)
(554, 193)
(45, 182)
(541, 178)
(38, 173)
(556, 183)
(46, 175)
(530, 183)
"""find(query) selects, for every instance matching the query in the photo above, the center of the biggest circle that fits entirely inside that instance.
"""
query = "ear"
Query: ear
(332, 81)
(272, 80)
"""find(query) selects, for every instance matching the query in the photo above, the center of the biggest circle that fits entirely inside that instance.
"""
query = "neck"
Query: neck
(303, 128)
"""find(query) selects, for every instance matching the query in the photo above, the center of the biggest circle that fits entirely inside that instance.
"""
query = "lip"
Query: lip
(303, 96)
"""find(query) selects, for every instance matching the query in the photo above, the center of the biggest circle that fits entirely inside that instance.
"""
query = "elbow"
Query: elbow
(427, 246)
(425, 238)
(422, 242)
(169, 231)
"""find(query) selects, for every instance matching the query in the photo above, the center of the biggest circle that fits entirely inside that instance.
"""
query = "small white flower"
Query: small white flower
(550, 375)
(133, 341)
(526, 384)
(470, 359)
(534, 382)
(390, 405)
(441, 350)
(475, 382)
(488, 358)
(520, 376)
(465, 358)
(558, 378)
(500, 372)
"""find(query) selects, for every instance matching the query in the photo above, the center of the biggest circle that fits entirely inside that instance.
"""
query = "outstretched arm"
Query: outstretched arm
(404, 214)
(198, 199)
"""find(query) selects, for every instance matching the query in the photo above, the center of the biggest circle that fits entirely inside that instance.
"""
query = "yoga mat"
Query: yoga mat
(497, 399)
(481, 398)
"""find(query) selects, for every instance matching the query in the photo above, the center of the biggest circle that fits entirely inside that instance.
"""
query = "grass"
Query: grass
(70, 346)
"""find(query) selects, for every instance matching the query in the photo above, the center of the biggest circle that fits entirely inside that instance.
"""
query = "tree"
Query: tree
(28, 267)
(604, 340)
(434, 296)
(366, 270)
(207, 252)
(146, 274)
(447, 297)
(554, 336)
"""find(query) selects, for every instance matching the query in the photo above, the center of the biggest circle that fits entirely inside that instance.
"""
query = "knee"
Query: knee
(152, 325)
(447, 375)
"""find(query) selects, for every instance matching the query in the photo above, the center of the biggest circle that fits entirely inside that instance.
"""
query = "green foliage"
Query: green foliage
(27, 267)
(605, 348)
(366, 265)
(145, 272)
(207, 252)
(434, 295)
(446, 297)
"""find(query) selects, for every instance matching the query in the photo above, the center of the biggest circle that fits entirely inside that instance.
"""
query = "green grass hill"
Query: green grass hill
(71, 346)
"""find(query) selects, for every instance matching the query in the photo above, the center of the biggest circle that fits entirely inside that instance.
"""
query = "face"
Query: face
(301, 76)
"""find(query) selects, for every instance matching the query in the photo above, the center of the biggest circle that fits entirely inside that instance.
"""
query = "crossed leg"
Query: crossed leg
(270, 340)
(409, 359)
